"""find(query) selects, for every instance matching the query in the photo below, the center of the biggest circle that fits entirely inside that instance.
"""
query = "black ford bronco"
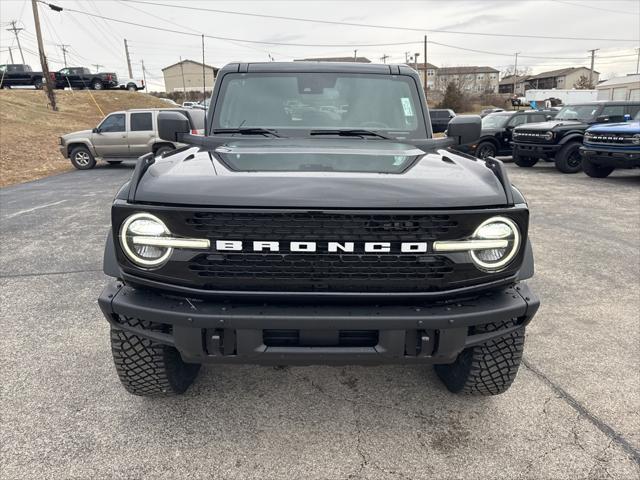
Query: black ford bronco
(560, 139)
(318, 222)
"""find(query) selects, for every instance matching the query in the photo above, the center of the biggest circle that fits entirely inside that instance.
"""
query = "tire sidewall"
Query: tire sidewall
(565, 155)
(76, 160)
(594, 170)
(132, 88)
(38, 84)
(524, 162)
(163, 150)
(489, 146)
(97, 85)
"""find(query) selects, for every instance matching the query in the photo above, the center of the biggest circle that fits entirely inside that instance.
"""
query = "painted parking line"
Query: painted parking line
(29, 210)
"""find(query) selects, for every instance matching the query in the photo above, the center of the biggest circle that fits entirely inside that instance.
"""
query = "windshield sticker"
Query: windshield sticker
(406, 106)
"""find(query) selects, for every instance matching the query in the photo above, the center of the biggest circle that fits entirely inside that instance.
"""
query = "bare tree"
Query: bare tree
(583, 83)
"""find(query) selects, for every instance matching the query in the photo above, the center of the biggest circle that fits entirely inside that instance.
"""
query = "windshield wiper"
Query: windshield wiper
(349, 133)
(247, 131)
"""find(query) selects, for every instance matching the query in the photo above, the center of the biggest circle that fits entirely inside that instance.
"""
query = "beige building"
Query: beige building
(562, 79)
(187, 76)
(473, 80)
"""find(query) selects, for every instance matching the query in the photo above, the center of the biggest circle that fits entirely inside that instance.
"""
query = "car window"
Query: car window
(113, 123)
(141, 122)
(517, 120)
(614, 112)
(633, 110)
(64, 71)
(536, 118)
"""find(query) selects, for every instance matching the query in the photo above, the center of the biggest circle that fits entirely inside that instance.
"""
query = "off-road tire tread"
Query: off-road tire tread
(594, 170)
(487, 369)
(561, 158)
(524, 162)
(147, 368)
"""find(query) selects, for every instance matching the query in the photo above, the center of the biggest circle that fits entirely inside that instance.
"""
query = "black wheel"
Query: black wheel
(163, 150)
(97, 85)
(114, 162)
(38, 83)
(568, 159)
(487, 369)
(525, 162)
(485, 149)
(148, 368)
(82, 159)
(8, 87)
(132, 88)
(594, 170)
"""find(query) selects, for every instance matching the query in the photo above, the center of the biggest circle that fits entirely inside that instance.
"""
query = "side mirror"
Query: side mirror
(96, 130)
(548, 117)
(627, 117)
(465, 128)
(602, 119)
(173, 124)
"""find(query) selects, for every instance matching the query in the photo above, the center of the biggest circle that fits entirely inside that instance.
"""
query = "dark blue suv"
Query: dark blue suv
(610, 146)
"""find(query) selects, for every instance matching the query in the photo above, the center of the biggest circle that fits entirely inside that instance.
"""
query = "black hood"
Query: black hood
(442, 179)
(551, 124)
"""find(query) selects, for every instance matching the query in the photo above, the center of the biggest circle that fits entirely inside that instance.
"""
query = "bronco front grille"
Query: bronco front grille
(322, 270)
(621, 139)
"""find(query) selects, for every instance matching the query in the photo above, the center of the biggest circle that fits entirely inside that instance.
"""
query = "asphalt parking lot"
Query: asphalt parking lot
(573, 412)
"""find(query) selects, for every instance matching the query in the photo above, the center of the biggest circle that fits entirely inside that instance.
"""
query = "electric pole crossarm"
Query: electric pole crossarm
(15, 31)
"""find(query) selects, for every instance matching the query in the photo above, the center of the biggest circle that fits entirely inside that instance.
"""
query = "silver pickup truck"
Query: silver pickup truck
(122, 135)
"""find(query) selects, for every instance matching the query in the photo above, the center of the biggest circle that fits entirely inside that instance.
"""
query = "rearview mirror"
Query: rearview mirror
(465, 128)
(173, 124)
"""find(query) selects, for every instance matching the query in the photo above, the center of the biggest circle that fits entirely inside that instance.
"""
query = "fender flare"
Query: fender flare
(110, 265)
(571, 137)
(85, 143)
(527, 268)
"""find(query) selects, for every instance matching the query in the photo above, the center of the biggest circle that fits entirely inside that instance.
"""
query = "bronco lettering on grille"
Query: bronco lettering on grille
(328, 247)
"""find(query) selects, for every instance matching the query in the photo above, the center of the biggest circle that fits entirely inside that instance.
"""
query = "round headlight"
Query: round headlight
(636, 139)
(496, 228)
(548, 136)
(144, 225)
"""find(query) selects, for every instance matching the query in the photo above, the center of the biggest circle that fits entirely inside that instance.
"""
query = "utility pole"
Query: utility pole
(64, 53)
(97, 65)
(126, 51)
(637, 61)
(15, 31)
(515, 74)
(10, 54)
(415, 61)
(384, 58)
(593, 59)
(184, 87)
(406, 58)
(43, 59)
(144, 75)
(355, 55)
(425, 65)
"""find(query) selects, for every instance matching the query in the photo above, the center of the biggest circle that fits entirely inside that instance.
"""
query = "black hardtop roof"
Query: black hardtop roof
(317, 67)
(602, 102)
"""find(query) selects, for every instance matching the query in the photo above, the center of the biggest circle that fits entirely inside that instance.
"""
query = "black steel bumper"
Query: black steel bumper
(611, 157)
(210, 331)
(536, 150)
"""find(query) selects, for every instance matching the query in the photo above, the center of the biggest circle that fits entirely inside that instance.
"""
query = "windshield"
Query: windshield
(300, 102)
(495, 121)
(583, 113)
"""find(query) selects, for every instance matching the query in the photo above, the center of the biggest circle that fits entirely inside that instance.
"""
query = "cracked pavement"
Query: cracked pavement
(573, 412)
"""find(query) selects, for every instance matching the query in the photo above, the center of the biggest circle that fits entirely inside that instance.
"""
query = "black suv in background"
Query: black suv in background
(560, 140)
(497, 129)
(440, 118)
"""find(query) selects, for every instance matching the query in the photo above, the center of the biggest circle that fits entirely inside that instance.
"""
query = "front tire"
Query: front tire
(568, 159)
(163, 150)
(487, 369)
(594, 170)
(486, 149)
(132, 88)
(525, 162)
(37, 84)
(82, 159)
(97, 85)
(147, 368)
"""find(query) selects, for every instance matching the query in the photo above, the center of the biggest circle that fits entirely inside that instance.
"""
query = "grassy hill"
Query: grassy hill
(29, 130)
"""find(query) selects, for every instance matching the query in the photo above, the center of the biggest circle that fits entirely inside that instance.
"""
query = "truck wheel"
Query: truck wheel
(487, 369)
(594, 170)
(97, 85)
(485, 149)
(163, 150)
(132, 88)
(568, 159)
(525, 162)
(148, 368)
(37, 83)
(82, 159)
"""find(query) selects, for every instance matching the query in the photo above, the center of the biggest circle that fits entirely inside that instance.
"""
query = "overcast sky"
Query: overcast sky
(99, 41)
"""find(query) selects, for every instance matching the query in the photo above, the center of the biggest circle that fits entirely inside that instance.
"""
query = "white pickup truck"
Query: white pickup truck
(131, 84)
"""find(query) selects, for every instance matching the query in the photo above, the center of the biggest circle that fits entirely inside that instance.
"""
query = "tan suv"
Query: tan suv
(122, 135)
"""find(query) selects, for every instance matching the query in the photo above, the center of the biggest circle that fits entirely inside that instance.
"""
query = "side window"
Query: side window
(517, 120)
(64, 71)
(633, 109)
(113, 123)
(537, 118)
(141, 122)
(614, 112)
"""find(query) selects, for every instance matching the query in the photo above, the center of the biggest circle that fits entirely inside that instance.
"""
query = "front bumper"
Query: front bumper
(536, 150)
(611, 157)
(224, 331)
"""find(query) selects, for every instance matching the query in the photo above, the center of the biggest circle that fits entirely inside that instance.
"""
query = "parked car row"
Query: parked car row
(18, 75)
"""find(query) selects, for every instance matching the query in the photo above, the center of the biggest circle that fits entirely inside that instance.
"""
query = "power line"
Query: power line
(386, 27)
(593, 8)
